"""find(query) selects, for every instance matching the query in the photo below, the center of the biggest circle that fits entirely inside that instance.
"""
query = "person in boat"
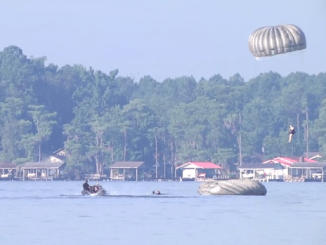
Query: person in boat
(86, 186)
(93, 189)
(96, 188)
(291, 132)
(156, 193)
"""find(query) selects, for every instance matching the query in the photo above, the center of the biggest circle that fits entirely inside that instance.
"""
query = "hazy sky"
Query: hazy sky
(169, 38)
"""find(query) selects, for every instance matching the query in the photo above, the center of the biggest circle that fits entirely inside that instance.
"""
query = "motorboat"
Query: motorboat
(95, 190)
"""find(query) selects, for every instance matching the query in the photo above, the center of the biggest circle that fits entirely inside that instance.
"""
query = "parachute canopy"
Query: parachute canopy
(273, 40)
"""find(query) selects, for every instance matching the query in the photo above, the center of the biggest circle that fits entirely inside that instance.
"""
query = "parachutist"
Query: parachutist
(291, 132)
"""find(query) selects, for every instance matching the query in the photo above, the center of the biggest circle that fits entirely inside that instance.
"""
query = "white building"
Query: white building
(199, 170)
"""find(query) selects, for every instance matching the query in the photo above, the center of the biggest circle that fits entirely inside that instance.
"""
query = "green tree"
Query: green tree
(14, 129)
(43, 122)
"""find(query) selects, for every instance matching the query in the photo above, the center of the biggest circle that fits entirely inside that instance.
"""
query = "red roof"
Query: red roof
(206, 165)
(288, 161)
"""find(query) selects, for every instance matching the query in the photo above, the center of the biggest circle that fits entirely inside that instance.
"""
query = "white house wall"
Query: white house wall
(286, 171)
(189, 173)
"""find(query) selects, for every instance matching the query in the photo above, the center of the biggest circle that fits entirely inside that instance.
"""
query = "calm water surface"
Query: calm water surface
(56, 213)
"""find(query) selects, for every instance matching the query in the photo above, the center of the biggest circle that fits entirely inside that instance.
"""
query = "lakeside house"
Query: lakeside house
(306, 171)
(126, 170)
(287, 162)
(199, 170)
(8, 170)
(48, 169)
(289, 169)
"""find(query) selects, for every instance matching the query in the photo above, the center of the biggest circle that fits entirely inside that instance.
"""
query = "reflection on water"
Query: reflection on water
(56, 212)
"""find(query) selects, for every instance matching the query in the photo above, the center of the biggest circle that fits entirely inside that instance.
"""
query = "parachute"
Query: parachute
(272, 40)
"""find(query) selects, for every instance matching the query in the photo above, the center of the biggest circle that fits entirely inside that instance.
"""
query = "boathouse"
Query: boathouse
(307, 171)
(126, 170)
(8, 170)
(48, 169)
(199, 170)
(259, 171)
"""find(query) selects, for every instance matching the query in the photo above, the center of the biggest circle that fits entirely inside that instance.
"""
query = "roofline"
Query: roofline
(275, 159)
(317, 156)
(198, 167)
(139, 163)
(39, 167)
(130, 161)
(183, 165)
(60, 149)
(285, 159)
(188, 163)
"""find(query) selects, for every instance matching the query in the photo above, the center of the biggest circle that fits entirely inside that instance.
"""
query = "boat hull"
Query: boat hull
(101, 192)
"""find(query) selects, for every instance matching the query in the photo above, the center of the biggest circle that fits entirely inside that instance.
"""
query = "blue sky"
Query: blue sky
(169, 38)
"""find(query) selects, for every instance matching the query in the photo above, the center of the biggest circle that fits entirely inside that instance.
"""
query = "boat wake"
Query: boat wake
(107, 195)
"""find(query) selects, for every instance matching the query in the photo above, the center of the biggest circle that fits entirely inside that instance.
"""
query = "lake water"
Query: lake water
(56, 213)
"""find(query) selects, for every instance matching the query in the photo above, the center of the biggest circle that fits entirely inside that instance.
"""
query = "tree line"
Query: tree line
(102, 118)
